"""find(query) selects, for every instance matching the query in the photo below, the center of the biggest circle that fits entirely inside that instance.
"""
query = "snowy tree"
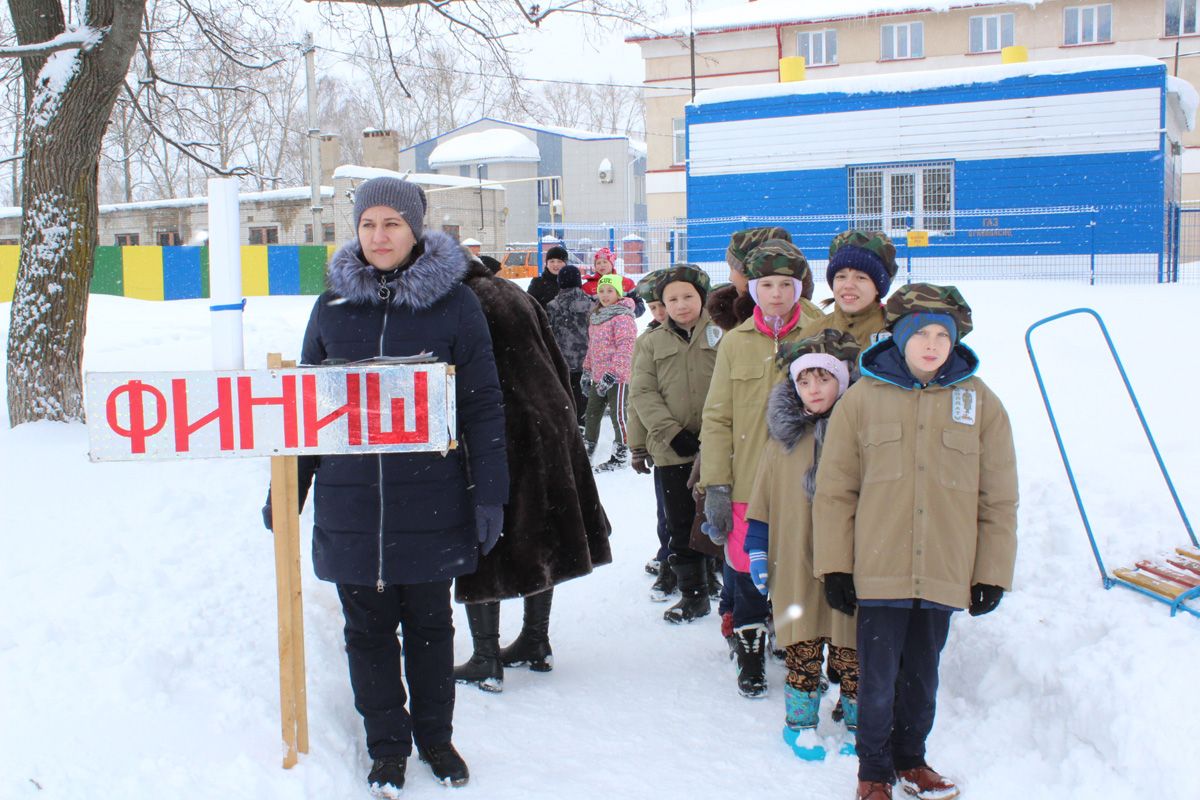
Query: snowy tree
(73, 71)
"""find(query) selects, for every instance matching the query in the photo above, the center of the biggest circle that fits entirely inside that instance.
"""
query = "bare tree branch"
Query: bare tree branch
(78, 39)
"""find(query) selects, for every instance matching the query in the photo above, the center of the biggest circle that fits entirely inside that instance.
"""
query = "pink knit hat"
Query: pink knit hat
(604, 252)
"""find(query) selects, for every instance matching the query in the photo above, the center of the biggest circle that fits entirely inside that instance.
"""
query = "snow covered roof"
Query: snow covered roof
(573, 133)
(935, 78)
(355, 172)
(1189, 101)
(299, 193)
(484, 147)
(743, 15)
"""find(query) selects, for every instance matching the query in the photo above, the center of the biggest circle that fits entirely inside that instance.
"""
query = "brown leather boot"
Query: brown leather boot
(925, 783)
(874, 790)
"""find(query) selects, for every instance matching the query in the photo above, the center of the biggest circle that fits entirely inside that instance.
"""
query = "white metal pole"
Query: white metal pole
(225, 273)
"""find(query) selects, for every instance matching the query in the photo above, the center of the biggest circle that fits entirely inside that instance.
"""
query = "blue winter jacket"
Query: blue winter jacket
(407, 518)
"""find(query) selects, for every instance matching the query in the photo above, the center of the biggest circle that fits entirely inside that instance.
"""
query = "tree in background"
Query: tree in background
(73, 71)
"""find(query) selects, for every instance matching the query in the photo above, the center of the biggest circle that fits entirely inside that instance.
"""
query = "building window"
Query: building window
(902, 41)
(7, 242)
(896, 197)
(819, 48)
(452, 231)
(1087, 24)
(328, 233)
(264, 235)
(167, 238)
(128, 239)
(678, 141)
(991, 33)
(548, 189)
(1181, 18)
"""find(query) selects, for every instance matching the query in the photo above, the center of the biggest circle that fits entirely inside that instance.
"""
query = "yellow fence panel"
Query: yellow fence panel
(142, 272)
(9, 256)
(255, 282)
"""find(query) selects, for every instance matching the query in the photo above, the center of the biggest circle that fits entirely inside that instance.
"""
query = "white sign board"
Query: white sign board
(393, 408)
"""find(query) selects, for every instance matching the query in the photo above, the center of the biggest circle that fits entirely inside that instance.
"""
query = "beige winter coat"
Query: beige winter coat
(917, 492)
(779, 499)
(670, 382)
(734, 429)
(635, 431)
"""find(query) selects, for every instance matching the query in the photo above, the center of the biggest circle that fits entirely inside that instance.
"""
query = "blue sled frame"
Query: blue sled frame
(1180, 602)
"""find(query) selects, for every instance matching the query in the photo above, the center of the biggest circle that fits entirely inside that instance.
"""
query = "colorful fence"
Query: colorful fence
(181, 273)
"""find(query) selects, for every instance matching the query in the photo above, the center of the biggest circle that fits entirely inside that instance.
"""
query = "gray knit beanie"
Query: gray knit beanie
(406, 198)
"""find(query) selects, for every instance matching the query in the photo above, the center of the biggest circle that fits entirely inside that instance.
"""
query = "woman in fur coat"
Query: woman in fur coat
(555, 528)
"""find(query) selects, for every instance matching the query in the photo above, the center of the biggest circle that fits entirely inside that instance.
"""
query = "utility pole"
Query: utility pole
(692, 43)
(314, 138)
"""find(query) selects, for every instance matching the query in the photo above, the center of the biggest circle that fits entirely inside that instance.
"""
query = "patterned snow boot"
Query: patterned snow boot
(618, 459)
(752, 660)
(800, 725)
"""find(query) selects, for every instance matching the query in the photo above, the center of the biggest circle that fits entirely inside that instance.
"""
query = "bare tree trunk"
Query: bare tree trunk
(70, 96)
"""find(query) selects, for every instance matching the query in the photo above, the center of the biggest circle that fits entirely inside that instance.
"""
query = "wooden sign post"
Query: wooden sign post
(385, 406)
(285, 522)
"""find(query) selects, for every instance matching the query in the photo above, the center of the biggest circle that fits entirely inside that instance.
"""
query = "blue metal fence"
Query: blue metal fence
(1067, 243)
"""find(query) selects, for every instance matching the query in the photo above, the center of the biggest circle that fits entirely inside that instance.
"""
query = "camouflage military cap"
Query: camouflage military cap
(645, 285)
(689, 273)
(839, 344)
(742, 242)
(875, 241)
(776, 257)
(930, 299)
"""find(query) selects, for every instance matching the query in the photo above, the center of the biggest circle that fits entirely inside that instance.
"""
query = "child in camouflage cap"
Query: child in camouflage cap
(779, 540)
(914, 517)
(664, 585)
(860, 272)
(734, 432)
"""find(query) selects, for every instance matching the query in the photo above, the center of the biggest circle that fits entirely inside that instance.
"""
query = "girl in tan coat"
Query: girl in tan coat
(779, 540)
(734, 432)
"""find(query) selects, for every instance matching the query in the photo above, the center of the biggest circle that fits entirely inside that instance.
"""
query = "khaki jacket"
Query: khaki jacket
(865, 326)
(670, 383)
(635, 431)
(734, 430)
(917, 491)
(798, 598)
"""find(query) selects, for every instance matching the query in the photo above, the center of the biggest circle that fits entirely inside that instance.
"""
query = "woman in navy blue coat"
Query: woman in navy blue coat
(393, 530)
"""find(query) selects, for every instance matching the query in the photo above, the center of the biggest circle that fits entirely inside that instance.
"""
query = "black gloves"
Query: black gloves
(268, 519)
(839, 592)
(685, 444)
(984, 599)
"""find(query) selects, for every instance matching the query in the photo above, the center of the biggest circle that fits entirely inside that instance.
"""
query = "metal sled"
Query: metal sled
(1174, 581)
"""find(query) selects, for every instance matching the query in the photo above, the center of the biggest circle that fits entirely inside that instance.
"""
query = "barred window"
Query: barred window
(898, 197)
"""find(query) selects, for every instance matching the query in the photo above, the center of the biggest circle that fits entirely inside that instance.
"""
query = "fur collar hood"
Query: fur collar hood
(440, 267)
(787, 421)
(727, 308)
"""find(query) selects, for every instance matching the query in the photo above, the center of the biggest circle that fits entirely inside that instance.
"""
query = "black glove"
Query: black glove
(268, 516)
(489, 522)
(839, 592)
(685, 444)
(984, 599)
(642, 462)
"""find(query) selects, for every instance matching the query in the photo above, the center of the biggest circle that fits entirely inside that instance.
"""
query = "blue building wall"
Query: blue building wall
(1128, 188)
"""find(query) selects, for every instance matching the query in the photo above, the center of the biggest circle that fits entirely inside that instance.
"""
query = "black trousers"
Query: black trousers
(749, 606)
(422, 612)
(680, 509)
(664, 533)
(579, 395)
(898, 654)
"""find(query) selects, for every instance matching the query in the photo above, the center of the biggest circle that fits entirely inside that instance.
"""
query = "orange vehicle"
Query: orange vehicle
(519, 264)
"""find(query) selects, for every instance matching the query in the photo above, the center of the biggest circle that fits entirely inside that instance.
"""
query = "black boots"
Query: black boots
(386, 778)
(714, 569)
(692, 577)
(752, 659)
(447, 765)
(618, 459)
(484, 668)
(664, 585)
(532, 645)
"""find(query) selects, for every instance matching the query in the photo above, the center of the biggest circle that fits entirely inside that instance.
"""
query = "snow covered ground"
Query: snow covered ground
(137, 632)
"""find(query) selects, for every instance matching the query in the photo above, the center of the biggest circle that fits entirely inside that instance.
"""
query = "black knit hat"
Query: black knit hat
(408, 199)
(568, 277)
(559, 252)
